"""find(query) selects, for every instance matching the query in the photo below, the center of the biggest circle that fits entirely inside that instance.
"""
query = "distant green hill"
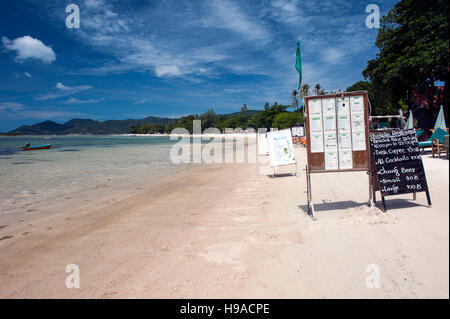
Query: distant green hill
(86, 126)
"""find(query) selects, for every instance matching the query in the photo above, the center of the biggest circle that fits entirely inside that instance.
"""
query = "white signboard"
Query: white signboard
(263, 145)
(298, 131)
(281, 149)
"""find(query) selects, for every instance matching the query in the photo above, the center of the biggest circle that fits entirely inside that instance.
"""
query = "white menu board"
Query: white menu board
(337, 128)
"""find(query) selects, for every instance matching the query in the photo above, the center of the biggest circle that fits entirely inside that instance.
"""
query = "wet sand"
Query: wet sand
(226, 231)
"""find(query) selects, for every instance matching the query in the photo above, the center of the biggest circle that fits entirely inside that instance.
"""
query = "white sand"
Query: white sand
(224, 230)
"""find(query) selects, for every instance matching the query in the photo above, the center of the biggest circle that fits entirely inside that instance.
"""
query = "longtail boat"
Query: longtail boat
(37, 147)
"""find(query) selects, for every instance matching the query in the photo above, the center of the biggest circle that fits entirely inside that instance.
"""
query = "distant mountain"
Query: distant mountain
(86, 126)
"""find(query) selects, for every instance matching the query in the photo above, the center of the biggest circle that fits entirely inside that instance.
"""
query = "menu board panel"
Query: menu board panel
(343, 106)
(331, 161)
(330, 143)
(358, 123)
(329, 106)
(345, 142)
(329, 124)
(315, 124)
(345, 159)
(344, 123)
(358, 141)
(357, 104)
(315, 107)
(316, 143)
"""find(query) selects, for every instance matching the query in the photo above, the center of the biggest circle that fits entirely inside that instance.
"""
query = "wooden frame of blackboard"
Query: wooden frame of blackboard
(316, 161)
(376, 184)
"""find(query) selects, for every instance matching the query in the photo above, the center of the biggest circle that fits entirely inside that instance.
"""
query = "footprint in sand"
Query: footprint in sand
(6, 237)
(3, 226)
(26, 233)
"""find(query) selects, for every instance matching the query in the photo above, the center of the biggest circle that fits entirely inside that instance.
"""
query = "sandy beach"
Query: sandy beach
(227, 231)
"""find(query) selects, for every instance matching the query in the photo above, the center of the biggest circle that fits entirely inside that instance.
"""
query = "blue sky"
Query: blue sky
(132, 59)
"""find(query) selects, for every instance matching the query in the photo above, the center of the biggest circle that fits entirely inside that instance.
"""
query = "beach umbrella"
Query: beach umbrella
(410, 122)
(440, 121)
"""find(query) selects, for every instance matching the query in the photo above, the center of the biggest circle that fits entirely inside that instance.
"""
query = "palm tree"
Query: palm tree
(243, 109)
(304, 90)
(294, 95)
(317, 89)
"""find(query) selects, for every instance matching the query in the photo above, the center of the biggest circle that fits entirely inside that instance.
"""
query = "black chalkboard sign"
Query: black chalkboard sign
(398, 163)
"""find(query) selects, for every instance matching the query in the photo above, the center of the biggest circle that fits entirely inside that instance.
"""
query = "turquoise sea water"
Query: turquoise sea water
(79, 168)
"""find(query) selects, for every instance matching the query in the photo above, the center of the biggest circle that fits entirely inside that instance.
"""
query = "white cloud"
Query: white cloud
(333, 55)
(27, 47)
(73, 100)
(93, 3)
(28, 75)
(140, 102)
(167, 70)
(228, 15)
(11, 106)
(63, 90)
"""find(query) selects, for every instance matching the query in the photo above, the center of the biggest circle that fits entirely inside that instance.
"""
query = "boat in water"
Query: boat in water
(37, 147)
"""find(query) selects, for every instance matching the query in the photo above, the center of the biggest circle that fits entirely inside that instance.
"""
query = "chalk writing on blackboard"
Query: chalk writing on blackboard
(398, 162)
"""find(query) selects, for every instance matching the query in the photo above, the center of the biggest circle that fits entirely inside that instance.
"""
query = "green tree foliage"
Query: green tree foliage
(287, 119)
(413, 53)
(272, 116)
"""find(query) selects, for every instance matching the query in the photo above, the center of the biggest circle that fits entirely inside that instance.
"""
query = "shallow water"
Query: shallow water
(78, 167)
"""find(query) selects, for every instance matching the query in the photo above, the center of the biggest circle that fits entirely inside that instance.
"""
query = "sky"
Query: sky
(137, 58)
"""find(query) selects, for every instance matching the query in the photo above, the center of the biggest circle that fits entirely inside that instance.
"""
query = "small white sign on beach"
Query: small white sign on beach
(298, 131)
(281, 148)
(263, 146)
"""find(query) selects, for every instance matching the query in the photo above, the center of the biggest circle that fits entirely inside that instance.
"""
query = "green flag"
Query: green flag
(298, 65)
